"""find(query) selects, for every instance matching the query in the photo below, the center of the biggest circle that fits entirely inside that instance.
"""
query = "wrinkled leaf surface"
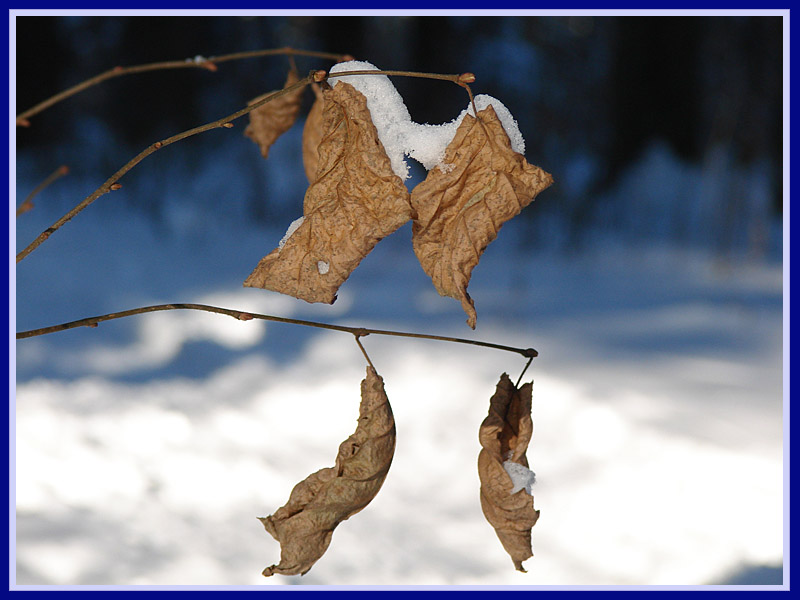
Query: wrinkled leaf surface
(304, 525)
(355, 201)
(504, 436)
(459, 209)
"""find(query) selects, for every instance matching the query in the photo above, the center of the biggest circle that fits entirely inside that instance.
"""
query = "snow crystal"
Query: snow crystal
(292, 228)
(521, 476)
(322, 267)
(400, 135)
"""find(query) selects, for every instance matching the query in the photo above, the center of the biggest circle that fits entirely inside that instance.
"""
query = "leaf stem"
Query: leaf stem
(364, 352)
(112, 182)
(247, 316)
(527, 364)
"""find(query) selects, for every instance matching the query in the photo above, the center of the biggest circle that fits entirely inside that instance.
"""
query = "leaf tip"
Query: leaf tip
(269, 571)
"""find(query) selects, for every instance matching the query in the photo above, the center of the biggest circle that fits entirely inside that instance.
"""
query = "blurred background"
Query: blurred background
(649, 277)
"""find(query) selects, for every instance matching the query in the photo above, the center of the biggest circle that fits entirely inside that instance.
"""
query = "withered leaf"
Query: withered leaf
(459, 210)
(312, 134)
(504, 436)
(270, 120)
(304, 525)
(355, 201)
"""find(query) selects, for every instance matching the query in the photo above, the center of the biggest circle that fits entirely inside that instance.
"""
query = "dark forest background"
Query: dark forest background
(591, 94)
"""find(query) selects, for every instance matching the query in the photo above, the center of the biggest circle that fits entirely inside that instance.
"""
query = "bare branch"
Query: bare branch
(209, 64)
(112, 182)
(247, 316)
(28, 202)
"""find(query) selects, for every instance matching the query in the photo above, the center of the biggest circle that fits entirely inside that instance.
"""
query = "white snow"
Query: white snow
(400, 135)
(521, 476)
(145, 449)
(290, 230)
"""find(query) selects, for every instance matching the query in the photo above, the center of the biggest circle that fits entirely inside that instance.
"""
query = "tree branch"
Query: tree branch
(247, 316)
(27, 204)
(112, 183)
(461, 80)
(210, 64)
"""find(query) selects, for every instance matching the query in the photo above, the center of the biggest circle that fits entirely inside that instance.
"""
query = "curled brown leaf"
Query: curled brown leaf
(304, 525)
(504, 436)
(312, 134)
(269, 121)
(355, 201)
(459, 209)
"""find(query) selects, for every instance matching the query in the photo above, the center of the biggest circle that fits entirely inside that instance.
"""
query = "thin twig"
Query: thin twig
(28, 202)
(112, 183)
(247, 316)
(285, 50)
(210, 64)
(440, 76)
(461, 80)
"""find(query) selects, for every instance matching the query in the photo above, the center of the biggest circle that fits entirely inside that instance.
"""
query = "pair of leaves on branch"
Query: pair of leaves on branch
(304, 525)
(355, 200)
(504, 437)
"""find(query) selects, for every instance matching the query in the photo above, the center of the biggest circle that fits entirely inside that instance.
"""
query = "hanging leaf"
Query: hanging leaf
(355, 201)
(312, 134)
(270, 120)
(458, 210)
(503, 469)
(304, 525)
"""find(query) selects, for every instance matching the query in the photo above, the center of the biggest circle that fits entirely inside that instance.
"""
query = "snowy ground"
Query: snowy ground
(146, 448)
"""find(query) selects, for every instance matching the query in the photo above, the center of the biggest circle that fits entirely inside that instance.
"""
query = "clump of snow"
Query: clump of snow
(400, 135)
(292, 228)
(521, 476)
(427, 143)
(322, 267)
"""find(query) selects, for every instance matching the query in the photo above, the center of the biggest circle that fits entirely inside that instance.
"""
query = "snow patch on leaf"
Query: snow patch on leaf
(400, 135)
(292, 228)
(521, 476)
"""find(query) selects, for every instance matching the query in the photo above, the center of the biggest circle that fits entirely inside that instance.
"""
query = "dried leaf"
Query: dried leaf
(270, 120)
(504, 436)
(459, 209)
(304, 525)
(312, 134)
(356, 201)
